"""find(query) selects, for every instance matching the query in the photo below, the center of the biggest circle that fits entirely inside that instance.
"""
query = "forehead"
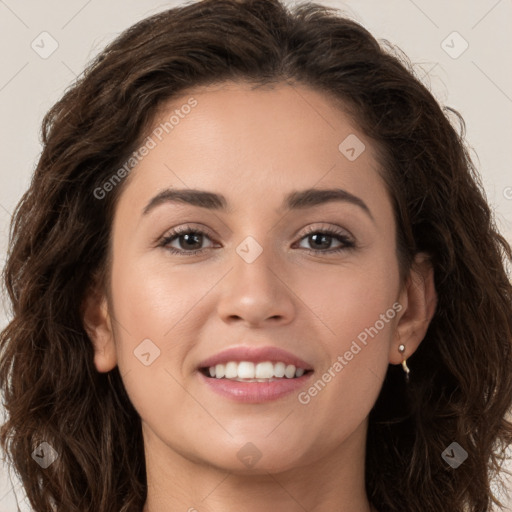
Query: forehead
(253, 144)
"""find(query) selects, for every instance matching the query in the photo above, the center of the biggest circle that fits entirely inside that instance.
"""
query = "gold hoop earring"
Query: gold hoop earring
(401, 349)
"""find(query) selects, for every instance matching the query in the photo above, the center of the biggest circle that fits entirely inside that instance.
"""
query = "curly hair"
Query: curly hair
(461, 386)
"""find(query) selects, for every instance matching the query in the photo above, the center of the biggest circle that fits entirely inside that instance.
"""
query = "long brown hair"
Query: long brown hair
(461, 380)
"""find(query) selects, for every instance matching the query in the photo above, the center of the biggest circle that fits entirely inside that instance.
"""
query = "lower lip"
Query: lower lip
(255, 392)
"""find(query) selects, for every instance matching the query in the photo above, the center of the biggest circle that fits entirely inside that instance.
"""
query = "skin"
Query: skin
(248, 145)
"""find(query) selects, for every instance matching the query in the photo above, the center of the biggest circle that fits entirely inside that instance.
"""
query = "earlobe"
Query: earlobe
(419, 298)
(98, 326)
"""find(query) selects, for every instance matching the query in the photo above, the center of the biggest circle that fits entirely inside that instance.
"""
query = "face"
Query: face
(318, 279)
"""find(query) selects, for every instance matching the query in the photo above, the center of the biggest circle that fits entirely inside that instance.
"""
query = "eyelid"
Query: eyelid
(190, 226)
(184, 228)
(325, 227)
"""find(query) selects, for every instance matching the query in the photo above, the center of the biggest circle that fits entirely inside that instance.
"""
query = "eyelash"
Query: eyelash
(185, 230)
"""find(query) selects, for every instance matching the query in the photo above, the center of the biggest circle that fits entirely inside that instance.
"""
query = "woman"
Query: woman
(255, 269)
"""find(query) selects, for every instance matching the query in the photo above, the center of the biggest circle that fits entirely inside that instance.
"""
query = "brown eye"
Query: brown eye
(189, 241)
(320, 241)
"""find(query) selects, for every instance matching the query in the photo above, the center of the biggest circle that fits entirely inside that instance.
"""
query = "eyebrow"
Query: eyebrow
(295, 200)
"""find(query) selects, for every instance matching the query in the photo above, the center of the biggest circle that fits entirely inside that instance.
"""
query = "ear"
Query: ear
(97, 323)
(418, 299)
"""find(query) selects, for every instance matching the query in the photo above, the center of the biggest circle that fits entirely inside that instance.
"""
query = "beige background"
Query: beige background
(478, 83)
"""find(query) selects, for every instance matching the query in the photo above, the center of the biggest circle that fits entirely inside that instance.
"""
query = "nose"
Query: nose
(256, 293)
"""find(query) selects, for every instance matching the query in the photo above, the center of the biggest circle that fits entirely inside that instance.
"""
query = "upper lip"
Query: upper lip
(256, 355)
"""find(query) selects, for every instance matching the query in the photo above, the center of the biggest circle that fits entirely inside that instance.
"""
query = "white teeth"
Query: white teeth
(231, 370)
(263, 371)
(220, 371)
(279, 369)
(289, 371)
(246, 370)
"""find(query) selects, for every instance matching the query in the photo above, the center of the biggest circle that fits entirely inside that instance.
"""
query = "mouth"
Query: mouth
(254, 374)
(248, 383)
(246, 371)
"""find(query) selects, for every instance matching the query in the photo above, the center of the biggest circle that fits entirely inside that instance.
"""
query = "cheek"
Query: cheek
(350, 296)
(358, 316)
(152, 309)
(357, 307)
(151, 299)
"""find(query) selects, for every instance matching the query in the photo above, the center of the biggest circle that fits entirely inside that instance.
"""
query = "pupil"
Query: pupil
(321, 236)
(189, 238)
